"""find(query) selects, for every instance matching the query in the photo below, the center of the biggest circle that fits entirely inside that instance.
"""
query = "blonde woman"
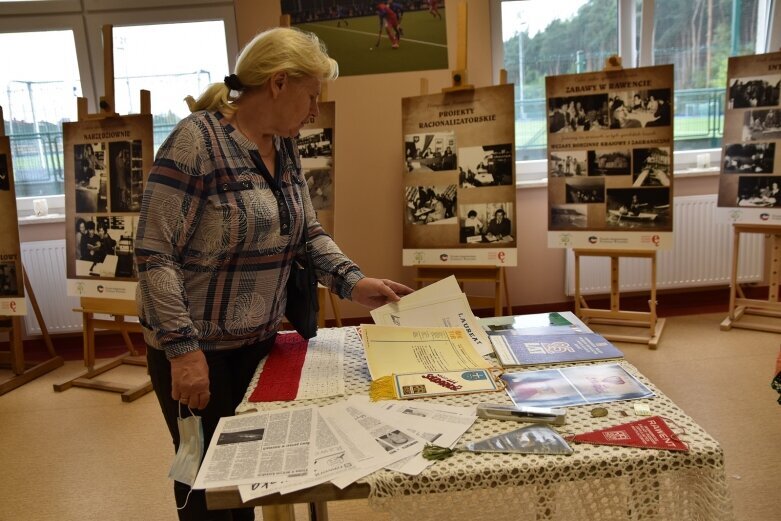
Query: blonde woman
(222, 219)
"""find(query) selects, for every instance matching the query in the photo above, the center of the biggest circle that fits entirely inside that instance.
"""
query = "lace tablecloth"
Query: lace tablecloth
(597, 482)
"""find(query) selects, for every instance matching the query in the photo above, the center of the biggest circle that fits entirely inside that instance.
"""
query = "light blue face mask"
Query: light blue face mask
(188, 457)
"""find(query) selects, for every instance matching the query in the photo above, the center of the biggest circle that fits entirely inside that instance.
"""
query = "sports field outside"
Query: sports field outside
(423, 45)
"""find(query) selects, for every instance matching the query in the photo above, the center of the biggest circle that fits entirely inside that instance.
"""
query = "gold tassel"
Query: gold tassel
(383, 388)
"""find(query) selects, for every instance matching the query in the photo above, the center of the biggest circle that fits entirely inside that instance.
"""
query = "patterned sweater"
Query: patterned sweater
(216, 239)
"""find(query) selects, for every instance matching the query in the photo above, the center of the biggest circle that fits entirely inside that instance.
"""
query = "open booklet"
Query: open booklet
(441, 304)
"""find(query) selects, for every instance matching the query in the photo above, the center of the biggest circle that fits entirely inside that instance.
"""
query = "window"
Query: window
(696, 36)
(172, 50)
(39, 90)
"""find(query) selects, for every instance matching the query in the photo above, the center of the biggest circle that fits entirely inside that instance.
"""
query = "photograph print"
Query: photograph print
(321, 187)
(433, 152)
(583, 190)
(762, 124)
(315, 143)
(499, 227)
(431, 204)
(568, 216)
(567, 163)
(487, 165)
(9, 282)
(91, 178)
(104, 246)
(126, 175)
(638, 208)
(651, 166)
(638, 109)
(5, 179)
(759, 191)
(578, 113)
(755, 91)
(609, 162)
(472, 222)
(749, 158)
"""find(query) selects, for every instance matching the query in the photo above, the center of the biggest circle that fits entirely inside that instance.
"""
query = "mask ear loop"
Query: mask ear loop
(186, 499)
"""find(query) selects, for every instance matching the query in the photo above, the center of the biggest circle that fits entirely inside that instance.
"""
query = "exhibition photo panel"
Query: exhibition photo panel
(12, 300)
(459, 176)
(106, 161)
(750, 178)
(610, 165)
(316, 147)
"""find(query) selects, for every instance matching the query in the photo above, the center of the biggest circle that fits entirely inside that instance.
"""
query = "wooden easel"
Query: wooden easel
(495, 275)
(739, 304)
(615, 316)
(13, 359)
(118, 309)
(24, 372)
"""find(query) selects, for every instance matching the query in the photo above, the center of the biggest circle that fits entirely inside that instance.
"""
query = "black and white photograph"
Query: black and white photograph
(229, 438)
(104, 246)
(5, 179)
(394, 440)
(125, 175)
(759, 191)
(8, 279)
(321, 187)
(578, 113)
(651, 166)
(762, 125)
(499, 227)
(487, 165)
(431, 204)
(582, 190)
(315, 142)
(638, 109)
(629, 208)
(91, 179)
(432, 152)
(757, 91)
(569, 163)
(569, 216)
(609, 162)
(472, 222)
(749, 158)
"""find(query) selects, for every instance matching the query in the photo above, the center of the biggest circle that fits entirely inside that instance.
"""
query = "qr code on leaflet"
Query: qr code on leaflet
(616, 435)
(413, 389)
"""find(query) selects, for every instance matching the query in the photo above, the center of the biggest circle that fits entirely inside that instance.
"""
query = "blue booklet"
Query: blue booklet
(516, 348)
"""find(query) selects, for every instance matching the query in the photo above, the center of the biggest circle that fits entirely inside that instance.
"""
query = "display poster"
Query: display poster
(750, 180)
(610, 159)
(106, 163)
(316, 150)
(459, 178)
(12, 300)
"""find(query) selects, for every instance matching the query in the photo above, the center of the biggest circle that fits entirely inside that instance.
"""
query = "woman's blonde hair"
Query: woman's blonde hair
(295, 52)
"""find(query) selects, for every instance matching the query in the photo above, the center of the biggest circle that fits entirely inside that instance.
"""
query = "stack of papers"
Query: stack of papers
(290, 449)
(441, 304)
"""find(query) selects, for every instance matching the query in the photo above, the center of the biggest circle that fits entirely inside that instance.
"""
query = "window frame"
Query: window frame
(532, 173)
(86, 22)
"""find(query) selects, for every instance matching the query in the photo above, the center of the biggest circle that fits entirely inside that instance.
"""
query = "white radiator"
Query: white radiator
(701, 255)
(44, 262)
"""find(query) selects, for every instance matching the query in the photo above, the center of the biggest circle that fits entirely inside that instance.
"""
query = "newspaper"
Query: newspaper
(259, 447)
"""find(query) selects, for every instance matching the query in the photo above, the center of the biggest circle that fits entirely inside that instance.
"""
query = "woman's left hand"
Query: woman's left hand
(374, 293)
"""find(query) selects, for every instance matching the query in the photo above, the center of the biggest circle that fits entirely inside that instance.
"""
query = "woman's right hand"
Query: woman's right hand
(190, 379)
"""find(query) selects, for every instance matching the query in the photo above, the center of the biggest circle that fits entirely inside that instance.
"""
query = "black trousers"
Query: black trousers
(230, 373)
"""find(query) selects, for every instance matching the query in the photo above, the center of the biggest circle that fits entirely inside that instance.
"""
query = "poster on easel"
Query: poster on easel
(316, 151)
(459, 178)
(610, 159)
(750, 177)
(106, 161)
(12, 301)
